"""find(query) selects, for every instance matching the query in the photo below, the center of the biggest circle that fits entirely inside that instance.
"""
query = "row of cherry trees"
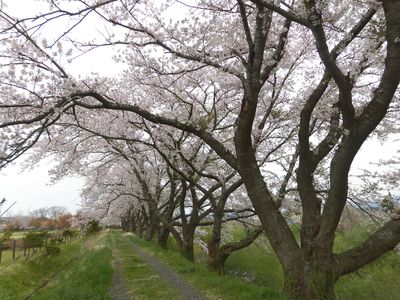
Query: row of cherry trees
(163, 187)
(222, 110)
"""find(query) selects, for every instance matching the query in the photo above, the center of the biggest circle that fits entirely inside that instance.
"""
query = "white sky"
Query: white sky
(31, 189)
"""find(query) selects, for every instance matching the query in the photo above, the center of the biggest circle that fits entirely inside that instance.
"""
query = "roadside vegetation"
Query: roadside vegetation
(378, 280)
(85, 267)
(22, 278)
(207, 282)
(88, 277)
(62, 269)
(253, 274)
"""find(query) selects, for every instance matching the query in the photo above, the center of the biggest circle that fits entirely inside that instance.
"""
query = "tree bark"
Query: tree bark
(163, 236)
(221, 254)
(213, 245)
(188, 242)
(150, 231)
(312, 278)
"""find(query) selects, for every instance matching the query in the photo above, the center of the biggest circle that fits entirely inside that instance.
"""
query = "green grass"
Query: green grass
(142, 282)
(253, 272)
(22, 277)
(206, 281)
(257, 262)
(88, 278)
(7, 257)
(378, 280)
(259, 265)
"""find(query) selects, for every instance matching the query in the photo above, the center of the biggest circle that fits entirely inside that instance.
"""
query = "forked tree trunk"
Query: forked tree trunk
(313, 278)
(216, 261)
(217, 254)
(216, 257)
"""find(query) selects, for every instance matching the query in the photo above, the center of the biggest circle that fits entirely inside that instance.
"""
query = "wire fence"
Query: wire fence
(32, 244)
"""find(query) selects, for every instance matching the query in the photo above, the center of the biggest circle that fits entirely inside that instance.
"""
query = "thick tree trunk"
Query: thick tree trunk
(142, 226)
(216, 259)
(188, 249)
(313, 278)
(188, 243)
(215, 262)
(163, 236)
(151, 230)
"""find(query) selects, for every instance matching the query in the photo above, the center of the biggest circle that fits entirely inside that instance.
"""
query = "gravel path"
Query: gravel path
(118, 290)
(169, 275)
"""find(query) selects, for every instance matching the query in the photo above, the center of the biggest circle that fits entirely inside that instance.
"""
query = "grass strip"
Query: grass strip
(89, 278)
(21, 278)
(47, 280)
(206, 281)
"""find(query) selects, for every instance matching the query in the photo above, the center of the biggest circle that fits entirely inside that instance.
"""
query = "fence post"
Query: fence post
(14, 246)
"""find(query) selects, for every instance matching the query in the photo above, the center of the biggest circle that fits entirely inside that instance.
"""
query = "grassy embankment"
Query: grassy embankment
(84, 270)
(207, 282)
(255, 273)
(80, 271)
(7, 254)
(378, 280)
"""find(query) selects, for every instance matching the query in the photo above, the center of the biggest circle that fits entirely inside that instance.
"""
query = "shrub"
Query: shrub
(6, 235)
(58, 240)
(93, 227)
(52, 250)
(68, 234)
(34, 239)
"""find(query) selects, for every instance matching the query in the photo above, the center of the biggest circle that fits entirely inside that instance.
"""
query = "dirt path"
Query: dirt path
(169, 275)
(118, 290)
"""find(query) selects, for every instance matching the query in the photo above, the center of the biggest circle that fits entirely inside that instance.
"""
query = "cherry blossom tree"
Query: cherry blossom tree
(323, 73)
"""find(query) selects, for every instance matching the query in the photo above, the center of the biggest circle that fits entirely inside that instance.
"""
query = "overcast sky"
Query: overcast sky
(31, 190)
